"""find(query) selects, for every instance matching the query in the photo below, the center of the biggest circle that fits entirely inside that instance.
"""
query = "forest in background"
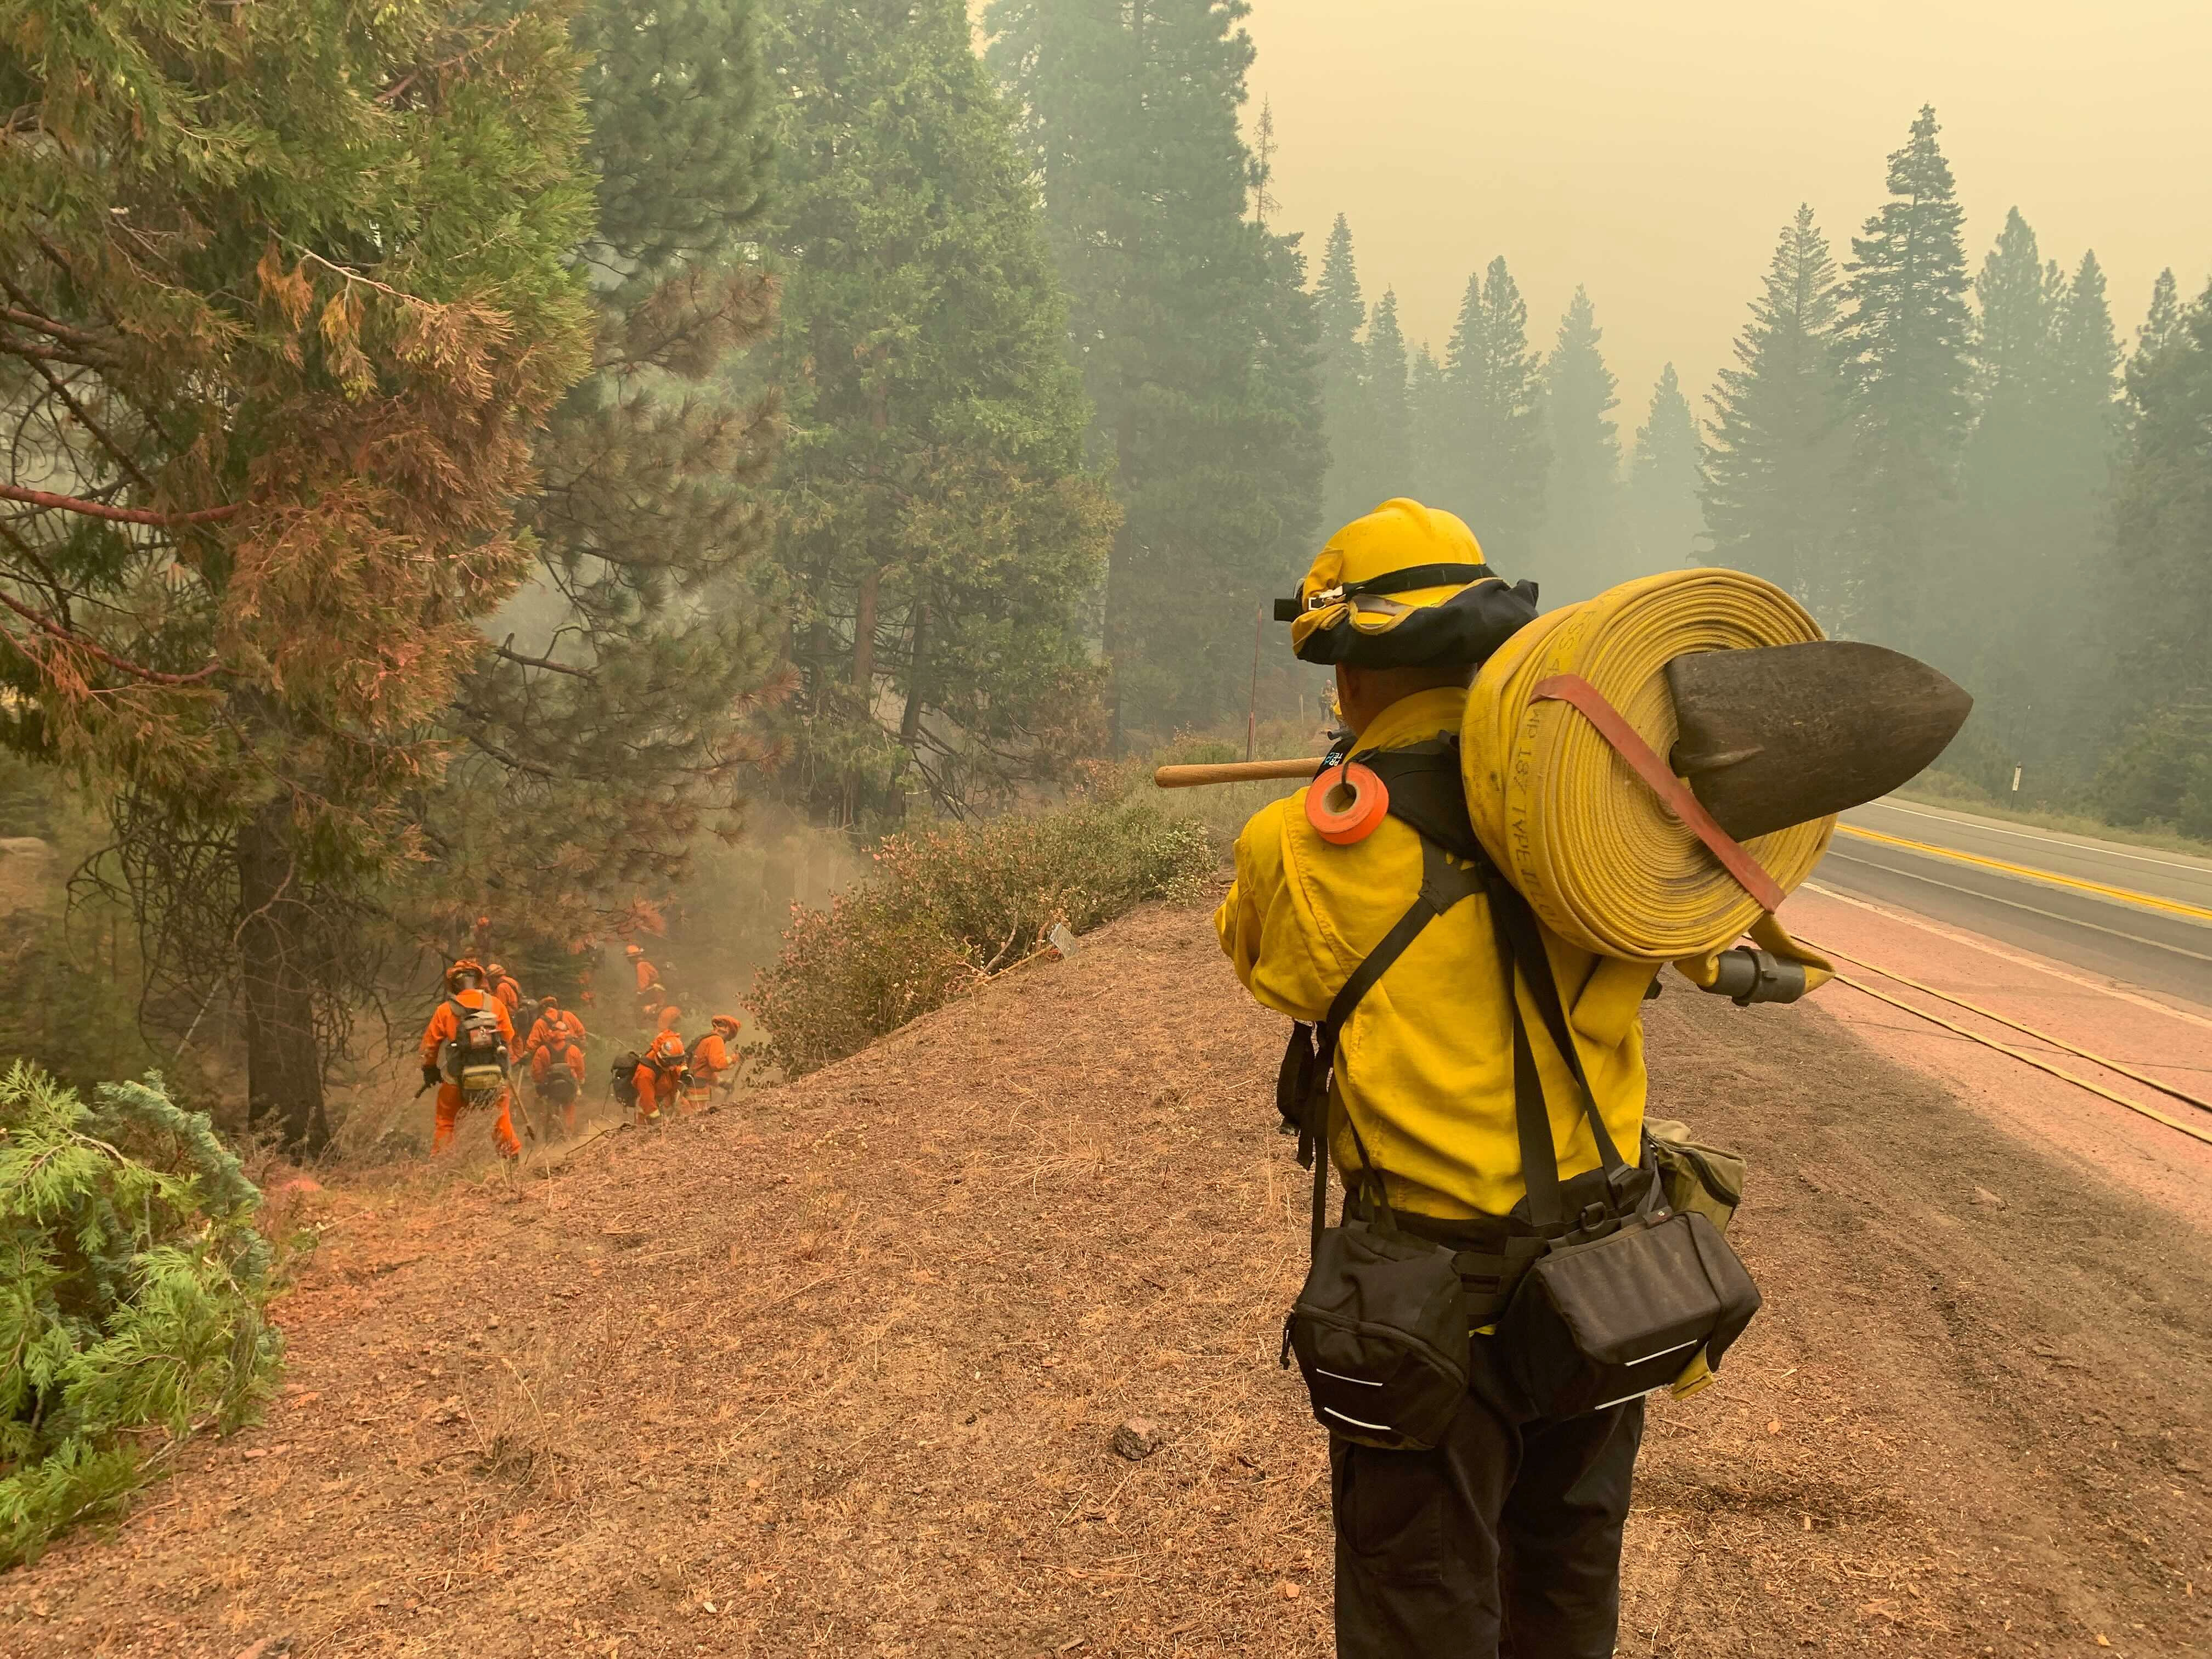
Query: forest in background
(498, 462)
(1963, 462)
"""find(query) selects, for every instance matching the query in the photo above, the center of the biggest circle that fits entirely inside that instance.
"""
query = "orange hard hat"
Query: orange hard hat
(495, 970)
(634, 950)
(549, 1002)
(726, 1022)
(465, 965)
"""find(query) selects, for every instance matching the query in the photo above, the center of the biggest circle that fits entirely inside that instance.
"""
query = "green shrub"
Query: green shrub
(941, 911)
(133, 1286)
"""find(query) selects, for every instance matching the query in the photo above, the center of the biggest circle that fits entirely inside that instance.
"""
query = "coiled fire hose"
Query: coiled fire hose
(1608, 866)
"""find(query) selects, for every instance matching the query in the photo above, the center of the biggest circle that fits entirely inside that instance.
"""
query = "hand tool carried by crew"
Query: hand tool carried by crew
(1462, 915)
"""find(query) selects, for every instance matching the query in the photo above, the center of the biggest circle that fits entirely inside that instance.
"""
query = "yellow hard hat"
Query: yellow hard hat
(1405, 587)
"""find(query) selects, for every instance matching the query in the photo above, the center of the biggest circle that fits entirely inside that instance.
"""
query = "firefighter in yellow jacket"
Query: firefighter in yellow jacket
(1506, 1535)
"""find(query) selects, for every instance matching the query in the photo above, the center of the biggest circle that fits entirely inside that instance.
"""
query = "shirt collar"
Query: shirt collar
(1416, 719)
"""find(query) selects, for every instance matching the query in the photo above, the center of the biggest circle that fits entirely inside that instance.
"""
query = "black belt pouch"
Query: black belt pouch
(1597, 1323)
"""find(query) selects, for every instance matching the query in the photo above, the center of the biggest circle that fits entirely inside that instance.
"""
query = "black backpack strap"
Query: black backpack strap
(1521, 944)
(1309, 1059)
(1428, 794)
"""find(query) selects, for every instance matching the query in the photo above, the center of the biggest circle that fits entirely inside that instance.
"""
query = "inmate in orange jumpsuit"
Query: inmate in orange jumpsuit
(444, 1026)
(711, 1060)
(660, 1067)
(557, 1039)
(505, 986)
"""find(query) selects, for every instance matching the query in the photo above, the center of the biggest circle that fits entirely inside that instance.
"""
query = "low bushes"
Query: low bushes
(132, 1290)
(942, 910)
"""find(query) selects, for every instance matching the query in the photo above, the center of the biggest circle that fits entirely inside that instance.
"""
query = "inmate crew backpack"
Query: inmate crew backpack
(622, 1078)
(474, 1057)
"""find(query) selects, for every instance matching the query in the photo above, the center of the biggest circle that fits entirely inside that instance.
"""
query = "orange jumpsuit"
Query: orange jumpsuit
(659, 1068)
(444, 1026)
(711, 1060)
(509, 991)
(557, 1039)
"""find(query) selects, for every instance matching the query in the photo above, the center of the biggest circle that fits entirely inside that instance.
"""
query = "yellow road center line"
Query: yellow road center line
(2127, 894)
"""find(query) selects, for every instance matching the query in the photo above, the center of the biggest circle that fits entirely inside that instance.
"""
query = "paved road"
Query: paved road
(2156, 944)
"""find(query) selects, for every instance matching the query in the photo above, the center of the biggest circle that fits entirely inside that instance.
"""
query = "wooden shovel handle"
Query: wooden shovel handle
(1187, 777)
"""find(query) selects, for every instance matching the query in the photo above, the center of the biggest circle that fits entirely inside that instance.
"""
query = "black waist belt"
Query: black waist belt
(1490, 1252)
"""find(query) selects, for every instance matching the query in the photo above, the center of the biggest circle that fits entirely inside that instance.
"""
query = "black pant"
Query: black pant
(1504, 1542)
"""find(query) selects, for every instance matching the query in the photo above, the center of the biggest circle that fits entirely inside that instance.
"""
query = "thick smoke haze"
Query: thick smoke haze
(1651, 153)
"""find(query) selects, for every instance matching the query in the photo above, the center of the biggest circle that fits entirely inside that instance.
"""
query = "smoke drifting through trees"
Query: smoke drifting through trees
(424, 512)
(1948, 463)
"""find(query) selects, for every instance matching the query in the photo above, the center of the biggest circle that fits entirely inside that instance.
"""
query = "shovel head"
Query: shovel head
(1778, 734)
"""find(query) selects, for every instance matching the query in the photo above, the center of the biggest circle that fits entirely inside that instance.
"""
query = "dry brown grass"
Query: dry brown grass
(838, 1372)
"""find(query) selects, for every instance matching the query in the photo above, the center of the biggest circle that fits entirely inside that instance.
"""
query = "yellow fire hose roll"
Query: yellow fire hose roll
(1607, 865)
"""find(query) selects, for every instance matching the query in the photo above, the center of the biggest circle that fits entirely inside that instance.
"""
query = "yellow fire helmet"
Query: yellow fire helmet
(1404, 588)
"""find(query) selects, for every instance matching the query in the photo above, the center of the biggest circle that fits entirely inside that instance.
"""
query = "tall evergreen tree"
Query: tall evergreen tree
(940, 535)
(1495, 451)
(644, 645)
(2024, 633)
(1390, 446)
(2163, 323)
(1582, 539)
(1665, 521)
(1904, 350)
(1347, 408)
(1196, 356)
(2160, 767)
(2002, 462)
(285, 302)
(1429, 427)
(1777, 439)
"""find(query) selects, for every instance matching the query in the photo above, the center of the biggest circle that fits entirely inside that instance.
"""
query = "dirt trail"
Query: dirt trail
(836, 1373)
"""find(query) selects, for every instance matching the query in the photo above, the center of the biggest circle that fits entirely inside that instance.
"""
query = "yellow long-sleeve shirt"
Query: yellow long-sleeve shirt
(1426, 1062)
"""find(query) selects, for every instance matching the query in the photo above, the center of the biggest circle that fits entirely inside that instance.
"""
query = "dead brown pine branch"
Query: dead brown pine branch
(118, 514)
(77, 642)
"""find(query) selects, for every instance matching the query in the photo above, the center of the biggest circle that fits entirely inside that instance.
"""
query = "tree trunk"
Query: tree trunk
(864, 637)
(910, 721)
(284, 1070)
(1121, 579)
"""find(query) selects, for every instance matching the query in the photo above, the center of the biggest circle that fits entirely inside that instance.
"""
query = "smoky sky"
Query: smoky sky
(1652, 152)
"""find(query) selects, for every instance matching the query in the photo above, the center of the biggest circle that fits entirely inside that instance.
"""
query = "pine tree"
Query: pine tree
(1777, 439)
(2005, 454)
(1347, 410)
(940, 537)
(1666, 523)
(1582, 541)
(2024, 633)
(1904, 344)
(1495, 453)
(1429, 427)
(1388, 395)
(2162, 324)
(284, 307)
(1197, 357)
(609, 723)
(2070, 629)
(2160, 768)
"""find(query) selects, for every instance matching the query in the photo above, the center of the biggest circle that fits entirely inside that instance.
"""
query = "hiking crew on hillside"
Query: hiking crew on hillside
(1503, 1533)
(660, 1071)
(466, 1052)
(556, 1059)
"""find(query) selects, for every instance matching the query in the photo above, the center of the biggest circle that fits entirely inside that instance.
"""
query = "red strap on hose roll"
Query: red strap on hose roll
(1673, 792)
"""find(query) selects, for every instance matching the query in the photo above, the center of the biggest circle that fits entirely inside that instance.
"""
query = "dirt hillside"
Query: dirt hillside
(837, 1372)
